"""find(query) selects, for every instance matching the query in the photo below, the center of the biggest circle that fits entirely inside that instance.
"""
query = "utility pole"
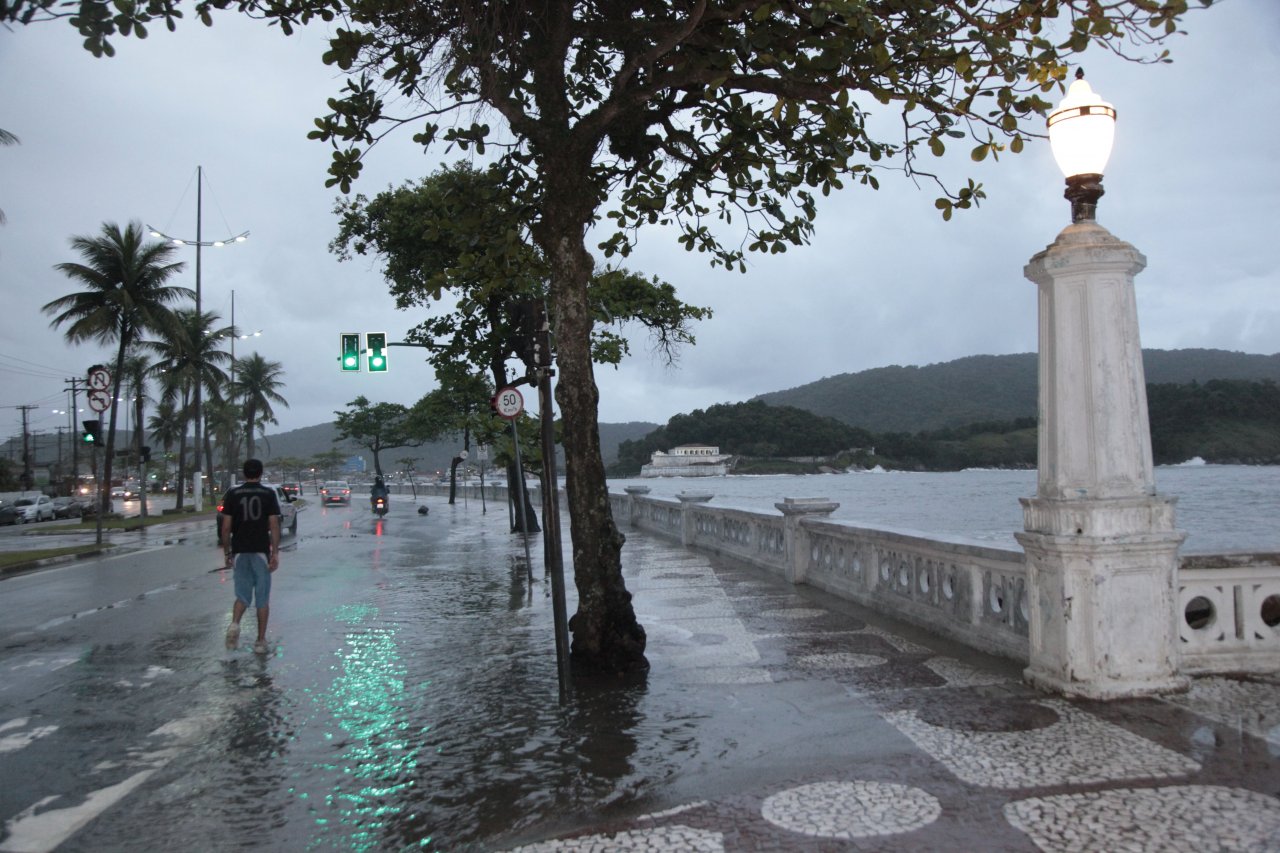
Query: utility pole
(75, 445)
(28, 479)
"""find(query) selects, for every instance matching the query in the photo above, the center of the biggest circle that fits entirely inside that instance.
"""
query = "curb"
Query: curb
(16, 568)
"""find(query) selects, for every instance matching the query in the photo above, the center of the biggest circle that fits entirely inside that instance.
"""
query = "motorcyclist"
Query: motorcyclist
(379, 490)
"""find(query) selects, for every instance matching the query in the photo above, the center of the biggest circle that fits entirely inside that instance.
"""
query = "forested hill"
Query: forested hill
(985, 388)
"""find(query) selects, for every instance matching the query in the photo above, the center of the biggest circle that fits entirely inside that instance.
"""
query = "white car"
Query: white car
(288, 512)
(39, 508)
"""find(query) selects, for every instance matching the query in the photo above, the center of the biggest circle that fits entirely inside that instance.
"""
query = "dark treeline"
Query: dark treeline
(1221, 421)
(746, 429)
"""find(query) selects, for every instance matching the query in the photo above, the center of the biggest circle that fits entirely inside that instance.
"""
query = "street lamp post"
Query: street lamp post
(1101, 546)
(197, 489)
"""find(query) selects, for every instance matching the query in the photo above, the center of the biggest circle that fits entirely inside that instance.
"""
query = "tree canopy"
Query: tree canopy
(376, 427)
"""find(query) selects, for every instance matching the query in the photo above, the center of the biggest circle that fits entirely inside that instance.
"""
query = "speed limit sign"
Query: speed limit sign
(508, 403)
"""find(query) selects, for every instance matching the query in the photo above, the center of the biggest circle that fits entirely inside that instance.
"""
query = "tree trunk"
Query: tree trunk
(104, 499)
(517, 493)
(607, 638)
(140, 434)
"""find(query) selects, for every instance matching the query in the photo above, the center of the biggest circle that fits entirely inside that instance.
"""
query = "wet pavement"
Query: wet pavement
(410, 703)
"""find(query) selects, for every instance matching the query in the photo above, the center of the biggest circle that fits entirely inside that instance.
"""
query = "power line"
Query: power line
(41, 370)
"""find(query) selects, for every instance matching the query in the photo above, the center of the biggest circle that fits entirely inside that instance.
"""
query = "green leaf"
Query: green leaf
(979, 154)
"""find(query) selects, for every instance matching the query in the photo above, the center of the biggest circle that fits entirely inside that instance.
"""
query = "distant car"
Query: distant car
(8, 513)
(288, 513)
(125, 493)
(67, 508)
(35, 509)
(335, 492)
(293, 490)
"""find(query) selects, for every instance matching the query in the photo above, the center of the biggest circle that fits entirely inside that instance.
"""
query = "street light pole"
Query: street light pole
(1102, 550)
(197, 489)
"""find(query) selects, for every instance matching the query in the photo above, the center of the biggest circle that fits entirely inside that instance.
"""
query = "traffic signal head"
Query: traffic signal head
(377, 342)
(92, 432)
(350, 357)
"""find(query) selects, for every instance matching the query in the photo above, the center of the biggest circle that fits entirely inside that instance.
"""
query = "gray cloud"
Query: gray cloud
(1193, 184)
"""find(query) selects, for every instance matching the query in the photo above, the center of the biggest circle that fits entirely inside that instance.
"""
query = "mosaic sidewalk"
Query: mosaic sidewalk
(947, 750)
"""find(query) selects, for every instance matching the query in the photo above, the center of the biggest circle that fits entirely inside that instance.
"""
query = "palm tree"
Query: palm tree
(222, 417)
(257, 385)
(136, 369)
(126, 294)
(192, 353)
(167, 427)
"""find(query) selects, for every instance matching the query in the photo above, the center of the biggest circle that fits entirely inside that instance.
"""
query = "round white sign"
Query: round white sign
(99, 401)
(99, 379)
(508, 403)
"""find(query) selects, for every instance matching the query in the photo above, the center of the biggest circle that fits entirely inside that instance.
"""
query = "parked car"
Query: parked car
(8, 513)
(67, 508)
(39, 508)
(288, 513)
(293, 490)
(335, 492)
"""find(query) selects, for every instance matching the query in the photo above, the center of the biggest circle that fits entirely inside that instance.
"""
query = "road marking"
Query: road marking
(115, 605)
(29, 832)
(17, 741)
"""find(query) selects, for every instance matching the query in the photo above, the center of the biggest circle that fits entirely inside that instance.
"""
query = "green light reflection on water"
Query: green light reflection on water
(366, 702)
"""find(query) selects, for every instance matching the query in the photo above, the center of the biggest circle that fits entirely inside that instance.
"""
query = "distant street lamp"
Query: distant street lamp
(1102, 551)
(199, 243)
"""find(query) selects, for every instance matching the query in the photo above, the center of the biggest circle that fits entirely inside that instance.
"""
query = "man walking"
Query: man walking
(250, 526)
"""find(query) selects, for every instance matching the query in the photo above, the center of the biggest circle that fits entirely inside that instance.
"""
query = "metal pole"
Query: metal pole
(551, 516)
(197, 490)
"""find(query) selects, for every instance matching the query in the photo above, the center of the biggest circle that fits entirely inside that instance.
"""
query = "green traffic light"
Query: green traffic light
(377, 343)
(350, 342)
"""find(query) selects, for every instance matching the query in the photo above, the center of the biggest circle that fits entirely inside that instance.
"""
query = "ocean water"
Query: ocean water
(1221, 507)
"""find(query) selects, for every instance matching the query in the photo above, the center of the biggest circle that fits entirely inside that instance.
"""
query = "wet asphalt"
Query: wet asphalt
(410, 702)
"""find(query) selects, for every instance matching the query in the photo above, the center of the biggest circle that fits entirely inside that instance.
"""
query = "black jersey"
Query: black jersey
(250, 506)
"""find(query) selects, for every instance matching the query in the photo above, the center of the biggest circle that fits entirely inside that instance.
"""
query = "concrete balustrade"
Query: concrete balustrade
(977, 594)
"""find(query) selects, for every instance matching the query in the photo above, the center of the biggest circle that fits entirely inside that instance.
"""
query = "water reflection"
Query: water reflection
(257, 738)
(378, 752)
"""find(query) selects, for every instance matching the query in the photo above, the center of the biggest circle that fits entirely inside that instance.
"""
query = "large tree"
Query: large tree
(682, 114)
(459, 231)
(125, 277)
(376, 427)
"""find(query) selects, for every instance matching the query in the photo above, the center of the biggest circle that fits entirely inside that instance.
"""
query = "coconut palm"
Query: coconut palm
(190, 356)
(126, 295)
(167, 426)
(257, 385)
(222, 417)
(136, 369)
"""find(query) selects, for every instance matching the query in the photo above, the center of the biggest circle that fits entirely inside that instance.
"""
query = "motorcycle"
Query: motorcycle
(379, 506)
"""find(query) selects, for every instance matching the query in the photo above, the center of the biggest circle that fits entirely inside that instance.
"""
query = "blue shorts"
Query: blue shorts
(252, 580)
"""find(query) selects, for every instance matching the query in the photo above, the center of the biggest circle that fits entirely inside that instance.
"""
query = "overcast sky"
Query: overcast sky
(1194, 183)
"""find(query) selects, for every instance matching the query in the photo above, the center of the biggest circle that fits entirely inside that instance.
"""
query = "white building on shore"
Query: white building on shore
(688, 460)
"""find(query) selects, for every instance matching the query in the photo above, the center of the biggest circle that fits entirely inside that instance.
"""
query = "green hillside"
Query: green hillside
(306, 442)
(985, 388)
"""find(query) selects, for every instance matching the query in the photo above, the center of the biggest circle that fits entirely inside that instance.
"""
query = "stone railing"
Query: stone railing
(974, 593)
(1230, 613)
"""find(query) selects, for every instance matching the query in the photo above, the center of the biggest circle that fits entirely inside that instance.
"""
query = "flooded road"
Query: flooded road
(410, 702)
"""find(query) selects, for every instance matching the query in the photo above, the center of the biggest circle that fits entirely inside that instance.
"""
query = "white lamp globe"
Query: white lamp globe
(1082, 130)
